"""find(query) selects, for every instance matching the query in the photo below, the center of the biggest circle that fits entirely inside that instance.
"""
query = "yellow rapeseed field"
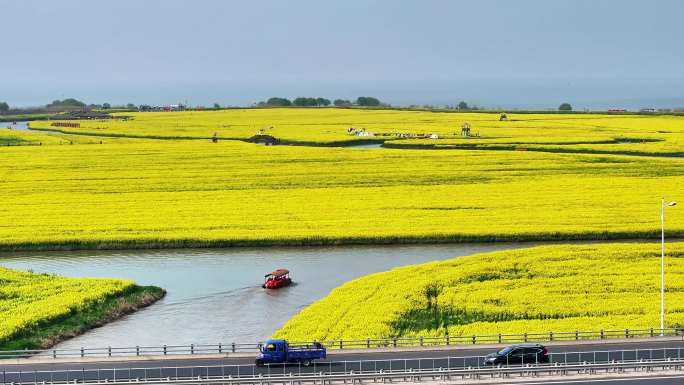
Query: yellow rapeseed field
(197, 193)
(15, 137)
(536, 290)
(29, 301)
(156, 180)
(641, 134)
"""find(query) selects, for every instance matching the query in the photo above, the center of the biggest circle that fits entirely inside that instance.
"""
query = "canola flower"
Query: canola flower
(640, 134)
(15, 137)
(29, 301)
(147, 193)
(576, 181)
(536, 290)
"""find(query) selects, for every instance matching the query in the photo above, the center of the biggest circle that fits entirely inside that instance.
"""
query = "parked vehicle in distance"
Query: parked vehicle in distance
(519, 354)
(280, 352)
(277, 279)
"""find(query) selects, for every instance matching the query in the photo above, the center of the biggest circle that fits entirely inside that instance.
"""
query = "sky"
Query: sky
(517, 54)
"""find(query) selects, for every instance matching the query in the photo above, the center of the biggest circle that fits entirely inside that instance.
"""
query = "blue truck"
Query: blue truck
(280, 352)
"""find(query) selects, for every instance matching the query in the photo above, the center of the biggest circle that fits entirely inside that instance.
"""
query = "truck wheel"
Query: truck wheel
(259, 363)
(306, 362)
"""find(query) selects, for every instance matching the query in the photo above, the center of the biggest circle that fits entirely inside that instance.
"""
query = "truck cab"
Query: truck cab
(280, 351)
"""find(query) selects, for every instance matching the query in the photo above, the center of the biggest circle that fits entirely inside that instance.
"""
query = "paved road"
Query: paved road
(338, 361)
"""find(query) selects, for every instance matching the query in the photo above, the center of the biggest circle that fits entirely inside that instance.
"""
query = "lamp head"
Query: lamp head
(673, 203)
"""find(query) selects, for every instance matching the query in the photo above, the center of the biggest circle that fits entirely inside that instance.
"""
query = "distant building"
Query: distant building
(173, 107)
(167, 107)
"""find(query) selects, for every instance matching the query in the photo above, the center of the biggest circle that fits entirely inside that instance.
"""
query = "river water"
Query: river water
(215, 295)
(23, 126)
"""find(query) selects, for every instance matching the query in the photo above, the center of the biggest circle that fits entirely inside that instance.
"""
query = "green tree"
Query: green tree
(131, 106)
(305, 102)
(342, 103)
(106, 106)
(278, 102)
(463, 105)
(300, 102)
(367, 101)
(322, 102)
(4, 107)
(565, 107)
(70, 102)
(216, 105)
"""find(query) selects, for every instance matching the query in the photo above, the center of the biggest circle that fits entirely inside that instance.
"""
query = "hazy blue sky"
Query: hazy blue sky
(495, 53)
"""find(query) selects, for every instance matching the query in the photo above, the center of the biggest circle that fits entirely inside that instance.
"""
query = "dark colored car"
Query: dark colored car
(519, 354)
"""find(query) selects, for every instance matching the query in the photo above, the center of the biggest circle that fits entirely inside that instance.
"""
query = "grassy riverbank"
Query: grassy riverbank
(541, 289)
(40, 310)
(15, 137)
(24, 117)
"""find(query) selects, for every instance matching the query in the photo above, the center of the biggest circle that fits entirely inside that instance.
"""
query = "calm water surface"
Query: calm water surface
(19, 126)
(215, 295)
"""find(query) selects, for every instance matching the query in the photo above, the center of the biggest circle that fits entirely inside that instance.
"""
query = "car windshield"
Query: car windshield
(505, 350)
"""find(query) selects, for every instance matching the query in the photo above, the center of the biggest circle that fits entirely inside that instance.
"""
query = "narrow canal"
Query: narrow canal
(23, 126)
(215, 295)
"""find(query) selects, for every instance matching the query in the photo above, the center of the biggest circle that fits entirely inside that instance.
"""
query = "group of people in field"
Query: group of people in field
(359, 132)
(465, 129)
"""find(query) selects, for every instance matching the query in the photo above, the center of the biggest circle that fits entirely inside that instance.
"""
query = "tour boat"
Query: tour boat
(277, 279)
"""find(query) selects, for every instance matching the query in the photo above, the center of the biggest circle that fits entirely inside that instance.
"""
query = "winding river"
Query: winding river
(215, 295)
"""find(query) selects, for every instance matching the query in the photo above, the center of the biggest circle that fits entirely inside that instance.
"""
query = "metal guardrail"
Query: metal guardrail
(444, 368)
(348, 344)
(410, 376)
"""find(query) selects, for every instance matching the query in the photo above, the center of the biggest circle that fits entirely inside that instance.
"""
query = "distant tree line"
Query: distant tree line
(365, 101)
(68, 104)
(72, 103)
(311, 102)
(342, 103)
(460, 106)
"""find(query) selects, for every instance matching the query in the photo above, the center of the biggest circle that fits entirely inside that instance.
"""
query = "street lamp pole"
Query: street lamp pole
(662, 267)
(662, 263)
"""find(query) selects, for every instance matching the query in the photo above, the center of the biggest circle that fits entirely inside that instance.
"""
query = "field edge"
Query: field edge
(181, 243)
(49, 334)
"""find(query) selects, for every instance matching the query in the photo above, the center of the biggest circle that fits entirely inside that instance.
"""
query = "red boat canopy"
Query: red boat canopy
(278, 273)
